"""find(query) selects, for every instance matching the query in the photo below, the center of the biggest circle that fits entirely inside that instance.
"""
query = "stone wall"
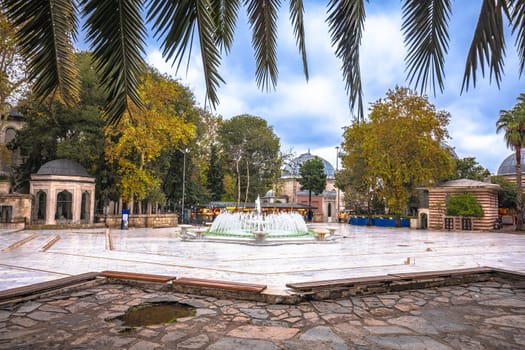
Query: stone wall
(141, 220)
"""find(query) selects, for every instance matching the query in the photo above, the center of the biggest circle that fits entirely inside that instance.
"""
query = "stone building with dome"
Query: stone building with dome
(507, 168)
(63, 193)
(325, 204)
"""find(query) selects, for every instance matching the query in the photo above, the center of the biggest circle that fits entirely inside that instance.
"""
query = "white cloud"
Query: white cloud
(311, 115)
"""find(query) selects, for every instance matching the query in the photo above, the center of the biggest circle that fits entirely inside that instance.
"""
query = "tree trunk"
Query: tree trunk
(238, 173)
(519, 191)
(247, 183)
(398, 220)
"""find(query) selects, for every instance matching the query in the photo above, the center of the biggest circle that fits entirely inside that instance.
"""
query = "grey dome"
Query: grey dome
(62, 167)
(508, 166)
(293, 167)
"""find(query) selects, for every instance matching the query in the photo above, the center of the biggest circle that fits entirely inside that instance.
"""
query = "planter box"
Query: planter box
(358, 221)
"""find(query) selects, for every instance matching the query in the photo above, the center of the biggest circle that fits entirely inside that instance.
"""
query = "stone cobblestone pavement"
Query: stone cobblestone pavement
(485, 315)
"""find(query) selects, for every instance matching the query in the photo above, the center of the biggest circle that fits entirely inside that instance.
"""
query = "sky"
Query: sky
(310, 115)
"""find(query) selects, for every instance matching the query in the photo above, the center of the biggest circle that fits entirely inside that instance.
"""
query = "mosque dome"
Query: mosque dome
(292, 168)
(508, 166)
(62, 167)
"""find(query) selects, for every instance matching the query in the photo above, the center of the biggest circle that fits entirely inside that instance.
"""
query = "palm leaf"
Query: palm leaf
(224, 14)
(211, 59)
(174, 22)
(45, 35)
(346, 19)
(262, 15)
(116, 33)
(296, 16)
(425, 30)
(518, 20)
(488, 44)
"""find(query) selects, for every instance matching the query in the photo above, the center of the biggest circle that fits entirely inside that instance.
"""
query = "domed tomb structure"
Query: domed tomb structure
(63, 193)
(324, 204)
(507, 168)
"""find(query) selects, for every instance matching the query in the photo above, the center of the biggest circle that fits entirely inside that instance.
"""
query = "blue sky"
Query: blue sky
(311, 115)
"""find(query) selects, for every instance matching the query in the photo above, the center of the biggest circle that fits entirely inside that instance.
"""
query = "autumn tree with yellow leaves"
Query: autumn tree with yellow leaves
(145, 133)
(400, 146)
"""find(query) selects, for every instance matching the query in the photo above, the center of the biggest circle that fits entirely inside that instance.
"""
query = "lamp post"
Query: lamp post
(184, 151)
(336, 170)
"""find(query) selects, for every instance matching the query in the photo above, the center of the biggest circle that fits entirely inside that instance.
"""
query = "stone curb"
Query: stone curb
(323, 291)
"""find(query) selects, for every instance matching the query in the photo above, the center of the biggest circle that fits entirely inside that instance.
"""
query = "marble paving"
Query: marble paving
(28, 257)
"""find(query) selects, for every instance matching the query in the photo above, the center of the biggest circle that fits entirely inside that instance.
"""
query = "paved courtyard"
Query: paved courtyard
(487, 315)
(27, 257)
(484, 315)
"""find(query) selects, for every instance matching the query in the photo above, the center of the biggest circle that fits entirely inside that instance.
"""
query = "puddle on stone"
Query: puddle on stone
(155, 313)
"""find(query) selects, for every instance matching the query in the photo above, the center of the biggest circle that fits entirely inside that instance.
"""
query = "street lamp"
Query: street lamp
(184, 151)
(337, 193)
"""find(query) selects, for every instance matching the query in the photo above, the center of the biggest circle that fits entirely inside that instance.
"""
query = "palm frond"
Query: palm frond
(224, 13)
(211, 58)
(262, 15)
(45, 35)
(116, 33)
(518, 20)
(174, 22)
(346, 20)
(425, 30)
(296, 16)
(488, 44)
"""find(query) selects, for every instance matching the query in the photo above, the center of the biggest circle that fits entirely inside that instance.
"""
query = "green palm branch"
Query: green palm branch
(116, 34)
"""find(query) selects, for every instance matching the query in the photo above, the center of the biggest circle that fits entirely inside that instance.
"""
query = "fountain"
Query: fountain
(259, 225)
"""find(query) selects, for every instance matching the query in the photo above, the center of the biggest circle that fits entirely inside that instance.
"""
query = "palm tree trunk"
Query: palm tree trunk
(519, 191)
(310, 216)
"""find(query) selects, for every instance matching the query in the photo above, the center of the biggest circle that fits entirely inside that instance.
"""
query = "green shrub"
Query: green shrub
(464, 205)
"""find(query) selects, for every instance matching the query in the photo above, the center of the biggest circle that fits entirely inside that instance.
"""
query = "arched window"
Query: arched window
(64, 210)
(41, 202)
(85, 207)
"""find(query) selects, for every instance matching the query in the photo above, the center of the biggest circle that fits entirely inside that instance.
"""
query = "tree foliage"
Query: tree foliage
(138, 141)
(115, 32)
(469, 168)
(57, 131)
(401, 146)
(464, 204)
(251, 149)
(507, 193)
(312, 177)
(13, 80)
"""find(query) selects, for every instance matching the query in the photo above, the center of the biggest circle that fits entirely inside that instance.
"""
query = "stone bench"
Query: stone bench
(443, 273)
(216, 284)
(340, 283)
(42, 287)
(137, 276)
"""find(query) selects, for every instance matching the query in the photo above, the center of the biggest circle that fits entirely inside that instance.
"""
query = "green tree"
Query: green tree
(507, 194)
(115, 31)
(215, 175)
(512, 123)
(312, 178)
(251, 148)
(402, 146)
(464, 204)
(137, 142)
(13, 80)
(469, 168)
(57, 131)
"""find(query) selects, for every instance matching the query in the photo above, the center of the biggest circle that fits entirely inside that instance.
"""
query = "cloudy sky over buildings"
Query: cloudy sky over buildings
(311, 115)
